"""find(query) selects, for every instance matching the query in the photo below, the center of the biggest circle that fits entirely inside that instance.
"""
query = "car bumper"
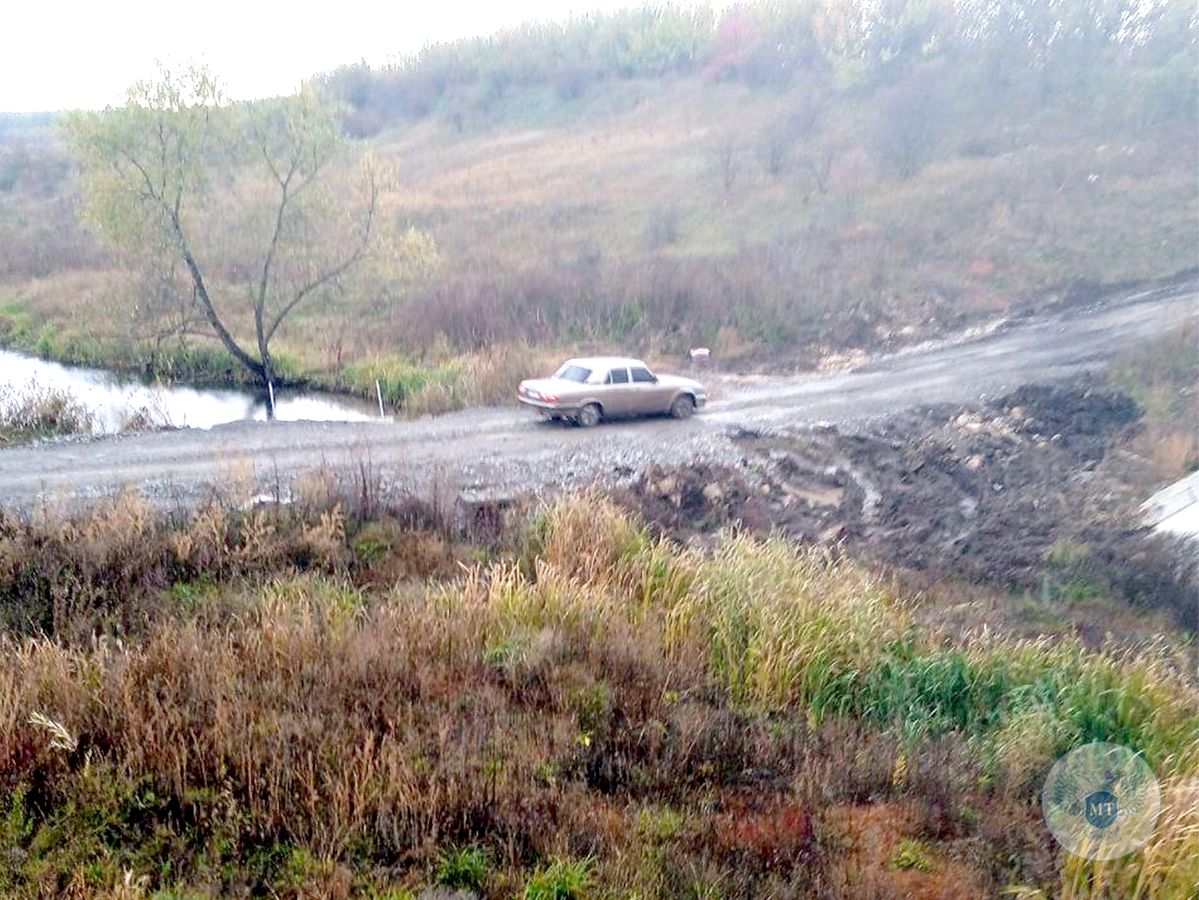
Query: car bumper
(548, 409)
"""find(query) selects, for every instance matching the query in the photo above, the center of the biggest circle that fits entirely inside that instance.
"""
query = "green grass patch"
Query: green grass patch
(912, 855)
(563, 879)
(786, 627)
(401, 380)
(463, 868)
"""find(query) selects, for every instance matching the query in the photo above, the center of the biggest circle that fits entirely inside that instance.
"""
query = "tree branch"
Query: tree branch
(269, 259)
(150, 192)
(338, 270)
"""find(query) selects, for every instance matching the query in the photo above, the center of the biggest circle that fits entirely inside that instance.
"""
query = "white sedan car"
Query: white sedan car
(588, 389)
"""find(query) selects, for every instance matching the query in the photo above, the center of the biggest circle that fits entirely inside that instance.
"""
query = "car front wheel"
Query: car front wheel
(589, 416)
(683, 406)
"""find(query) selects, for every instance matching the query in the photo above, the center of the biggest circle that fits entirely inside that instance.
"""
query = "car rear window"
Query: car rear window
(641, 375)
(573, 373)
(618, 376)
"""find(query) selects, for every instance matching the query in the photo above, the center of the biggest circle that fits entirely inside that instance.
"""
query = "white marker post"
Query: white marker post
(379, 394)
(270, 390)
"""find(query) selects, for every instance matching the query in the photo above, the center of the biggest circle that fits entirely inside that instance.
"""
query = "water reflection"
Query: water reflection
(113, 400)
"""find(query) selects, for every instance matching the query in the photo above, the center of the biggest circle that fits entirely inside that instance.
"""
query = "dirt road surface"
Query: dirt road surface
(499, 451)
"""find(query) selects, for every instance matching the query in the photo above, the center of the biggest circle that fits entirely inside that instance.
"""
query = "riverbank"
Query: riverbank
(440, 381)
(24, 331)
(40, 399)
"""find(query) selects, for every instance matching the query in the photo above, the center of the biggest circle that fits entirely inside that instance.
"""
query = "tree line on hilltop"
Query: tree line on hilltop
(1132, 58)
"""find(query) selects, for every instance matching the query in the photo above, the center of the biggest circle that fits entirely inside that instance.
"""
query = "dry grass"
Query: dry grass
(1168, 866)
(1163, 377)
(600, 709)
(33, 412)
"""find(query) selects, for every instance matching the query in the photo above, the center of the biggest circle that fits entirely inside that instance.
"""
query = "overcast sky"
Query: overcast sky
(73, 54)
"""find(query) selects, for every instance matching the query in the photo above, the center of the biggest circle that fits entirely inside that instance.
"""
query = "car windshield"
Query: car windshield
(573, 373)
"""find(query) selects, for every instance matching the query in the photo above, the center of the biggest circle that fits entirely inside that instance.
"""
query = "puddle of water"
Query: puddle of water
(112, 399)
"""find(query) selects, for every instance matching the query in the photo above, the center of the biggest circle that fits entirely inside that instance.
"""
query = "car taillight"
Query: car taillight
(549, 398)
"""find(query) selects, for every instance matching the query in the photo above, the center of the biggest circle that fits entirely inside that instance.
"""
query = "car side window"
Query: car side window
(617, 376)
(641, 375)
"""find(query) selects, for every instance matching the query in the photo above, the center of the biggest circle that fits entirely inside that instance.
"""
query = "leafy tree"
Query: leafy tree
(250, 201)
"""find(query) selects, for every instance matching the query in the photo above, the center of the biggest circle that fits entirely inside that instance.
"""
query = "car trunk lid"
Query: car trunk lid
(541, 388)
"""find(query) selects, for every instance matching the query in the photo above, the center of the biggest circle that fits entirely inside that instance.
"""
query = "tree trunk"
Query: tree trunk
(210, 313)
(268, 378)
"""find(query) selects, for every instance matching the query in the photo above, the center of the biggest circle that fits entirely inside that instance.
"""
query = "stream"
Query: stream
(113, 400)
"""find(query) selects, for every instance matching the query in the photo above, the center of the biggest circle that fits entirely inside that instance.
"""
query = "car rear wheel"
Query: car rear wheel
(683, 406)
(588, 416)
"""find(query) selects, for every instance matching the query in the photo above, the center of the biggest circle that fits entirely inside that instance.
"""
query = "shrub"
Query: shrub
(36, 412)
(563, 879)
(400, 379)
(463, 867)
(912, 855)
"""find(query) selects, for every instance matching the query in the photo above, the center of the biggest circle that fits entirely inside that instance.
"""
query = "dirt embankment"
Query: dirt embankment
(1028, 491)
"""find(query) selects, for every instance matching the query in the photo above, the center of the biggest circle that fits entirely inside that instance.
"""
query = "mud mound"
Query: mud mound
(694, 499)
(1084, 419)
(1014, 492)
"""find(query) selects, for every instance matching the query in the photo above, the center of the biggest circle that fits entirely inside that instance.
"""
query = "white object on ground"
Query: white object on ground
(1175, 509)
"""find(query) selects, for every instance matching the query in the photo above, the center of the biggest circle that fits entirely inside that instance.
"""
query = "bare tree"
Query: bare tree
(726, 162)
(818, 160)
(793, 133)
(777, 143)
(909, 123)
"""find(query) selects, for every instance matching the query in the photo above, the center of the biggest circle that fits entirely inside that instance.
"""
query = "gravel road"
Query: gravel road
(499, 451)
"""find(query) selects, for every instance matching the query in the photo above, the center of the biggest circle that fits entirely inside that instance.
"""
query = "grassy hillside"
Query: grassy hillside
(778, 179)
(625, 212)
(298, 702)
